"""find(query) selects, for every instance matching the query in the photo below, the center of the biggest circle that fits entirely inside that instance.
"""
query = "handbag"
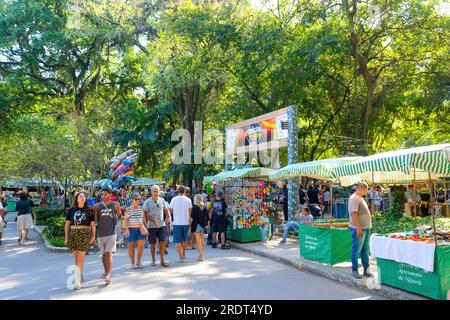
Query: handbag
(143, 229)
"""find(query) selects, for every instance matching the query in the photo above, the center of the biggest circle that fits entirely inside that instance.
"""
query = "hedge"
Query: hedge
(44, 214)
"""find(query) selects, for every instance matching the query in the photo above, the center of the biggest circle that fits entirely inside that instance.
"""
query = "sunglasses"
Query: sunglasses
(136, 199)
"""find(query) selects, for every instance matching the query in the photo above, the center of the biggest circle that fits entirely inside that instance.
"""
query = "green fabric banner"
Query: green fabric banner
(434, 285)
(243, 235)
(326, 245)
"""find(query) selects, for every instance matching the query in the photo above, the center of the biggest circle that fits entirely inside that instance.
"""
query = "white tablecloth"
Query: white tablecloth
(418, 254)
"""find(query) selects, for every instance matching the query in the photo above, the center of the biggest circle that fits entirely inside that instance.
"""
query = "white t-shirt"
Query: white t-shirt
(180, 206)
(377, 197)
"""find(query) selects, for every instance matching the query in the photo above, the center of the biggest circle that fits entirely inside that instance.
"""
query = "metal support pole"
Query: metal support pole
(414, 196)
(292, 158)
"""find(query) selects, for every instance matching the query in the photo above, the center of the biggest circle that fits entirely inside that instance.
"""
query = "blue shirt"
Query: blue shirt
(308, 219)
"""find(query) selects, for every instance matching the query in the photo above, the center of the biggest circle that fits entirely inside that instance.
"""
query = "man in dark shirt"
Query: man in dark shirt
(106, 213)
(313, 195)
(302, 195)
(285, 202)
(219, 221)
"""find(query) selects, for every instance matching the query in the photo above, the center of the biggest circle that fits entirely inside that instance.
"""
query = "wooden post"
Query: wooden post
(446, 198)
(414, 196)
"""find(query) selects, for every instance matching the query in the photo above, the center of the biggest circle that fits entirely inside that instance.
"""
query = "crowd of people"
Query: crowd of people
(141, 218)
(136, 219)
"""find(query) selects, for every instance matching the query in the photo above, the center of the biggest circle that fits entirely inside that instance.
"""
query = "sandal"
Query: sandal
(164, 265)
(140, 266)
(153, 263)
(133, 266)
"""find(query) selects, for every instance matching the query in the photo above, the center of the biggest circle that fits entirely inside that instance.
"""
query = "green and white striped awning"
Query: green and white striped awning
(401, 166)
(147, 182)
(257, 172)
(319, 169)
(94, 183)
(30, 182)
(207, 179)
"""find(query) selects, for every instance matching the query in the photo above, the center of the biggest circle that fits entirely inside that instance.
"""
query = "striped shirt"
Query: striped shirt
(136, 218)
(125, 202)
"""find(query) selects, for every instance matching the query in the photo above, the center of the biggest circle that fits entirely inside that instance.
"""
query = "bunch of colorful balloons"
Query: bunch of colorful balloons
(122, 169)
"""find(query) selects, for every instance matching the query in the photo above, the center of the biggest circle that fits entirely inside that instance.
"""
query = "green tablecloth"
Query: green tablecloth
(406, 277)
(243, 235)
(326, 245)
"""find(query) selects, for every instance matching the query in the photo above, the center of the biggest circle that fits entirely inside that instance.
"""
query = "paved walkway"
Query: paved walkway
(31, 272)
(289, 254)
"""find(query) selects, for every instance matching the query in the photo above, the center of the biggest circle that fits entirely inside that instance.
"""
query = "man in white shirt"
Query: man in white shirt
(181, 210)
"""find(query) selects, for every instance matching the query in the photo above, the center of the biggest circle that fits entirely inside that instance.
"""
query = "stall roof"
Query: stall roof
(29, 182)
(318, 169)
(208, 179)
(400, 166)
(147, 182)
(242, 173)
(95, 183)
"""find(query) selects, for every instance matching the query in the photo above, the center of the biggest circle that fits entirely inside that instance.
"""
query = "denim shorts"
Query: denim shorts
(180, 233)
(135, 235)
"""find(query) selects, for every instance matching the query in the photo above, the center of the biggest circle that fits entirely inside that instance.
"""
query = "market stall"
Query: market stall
(250, 199)
(325, 242)
(414, 260)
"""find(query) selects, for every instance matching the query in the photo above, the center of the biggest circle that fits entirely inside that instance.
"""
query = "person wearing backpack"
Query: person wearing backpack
(107, 213)
(219, 221)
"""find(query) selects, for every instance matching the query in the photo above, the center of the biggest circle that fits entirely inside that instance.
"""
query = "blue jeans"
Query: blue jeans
(263, 234)
(210, 234)
(360, 248)
(290, 226)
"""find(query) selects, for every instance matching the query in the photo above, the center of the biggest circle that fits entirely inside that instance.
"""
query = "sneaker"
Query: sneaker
(368, 274)
(224, 247)
(356, 274)
(214, 245)
(77, 286)
(282, 242)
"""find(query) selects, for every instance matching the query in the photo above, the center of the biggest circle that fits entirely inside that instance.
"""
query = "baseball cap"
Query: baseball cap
(106, 188)
(136, 194)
